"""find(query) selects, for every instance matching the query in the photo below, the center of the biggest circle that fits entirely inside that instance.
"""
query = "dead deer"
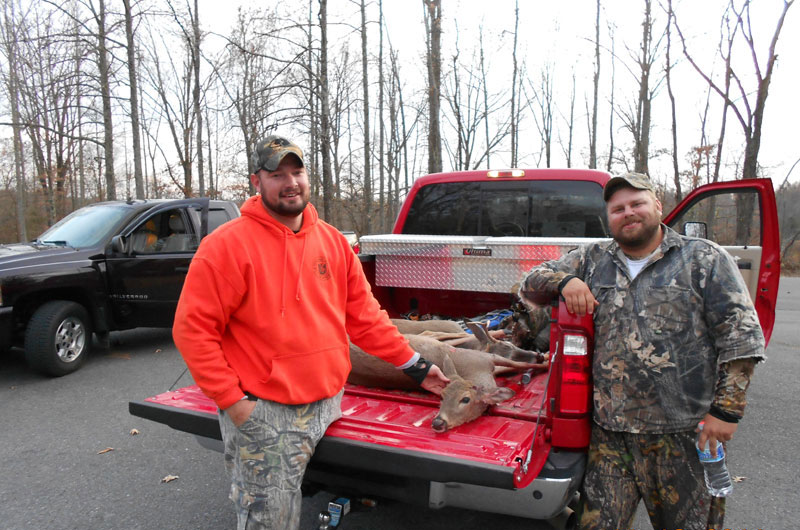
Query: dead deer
(472, 387)
(488, 341)
(415, 327)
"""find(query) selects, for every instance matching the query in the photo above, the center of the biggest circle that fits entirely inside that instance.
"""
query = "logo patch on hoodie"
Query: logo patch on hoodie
(321, 267)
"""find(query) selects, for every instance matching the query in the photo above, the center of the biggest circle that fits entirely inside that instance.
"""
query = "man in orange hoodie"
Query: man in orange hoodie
(269, 304)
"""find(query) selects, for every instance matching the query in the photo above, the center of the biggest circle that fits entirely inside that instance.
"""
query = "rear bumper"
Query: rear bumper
(545, 498)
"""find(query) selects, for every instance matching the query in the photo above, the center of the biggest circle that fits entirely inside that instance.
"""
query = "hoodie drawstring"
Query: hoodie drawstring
(283, 279)
(285, 272)
(300, 271)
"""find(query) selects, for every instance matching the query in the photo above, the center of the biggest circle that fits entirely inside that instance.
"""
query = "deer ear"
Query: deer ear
(498, 395)
(448, 367)
(480, 333)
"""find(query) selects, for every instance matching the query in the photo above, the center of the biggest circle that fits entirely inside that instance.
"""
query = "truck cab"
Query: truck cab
(107, 266)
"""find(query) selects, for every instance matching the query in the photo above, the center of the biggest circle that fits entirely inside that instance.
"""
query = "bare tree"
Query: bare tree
(611, 103)
(514, 105)
(381, 127)
(433, 26)
(325, 135)
(543, 111)
(133, 77)
(570, 121)
(194, 15)
(9, 32)
(367, 155)
(596, 82)
(750, 114)
(105, 92)
(639, 120)
(667, 73)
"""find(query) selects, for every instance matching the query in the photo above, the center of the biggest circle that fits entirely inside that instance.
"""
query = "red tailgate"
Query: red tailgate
(402, 421)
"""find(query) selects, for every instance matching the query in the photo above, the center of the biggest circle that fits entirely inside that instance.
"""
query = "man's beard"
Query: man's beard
(286, 210)
(640, 239)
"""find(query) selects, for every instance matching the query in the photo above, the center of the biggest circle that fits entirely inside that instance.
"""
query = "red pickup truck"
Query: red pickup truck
(460, 243)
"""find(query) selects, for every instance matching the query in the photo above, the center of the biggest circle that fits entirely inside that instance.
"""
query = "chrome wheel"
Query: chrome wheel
(70, 339)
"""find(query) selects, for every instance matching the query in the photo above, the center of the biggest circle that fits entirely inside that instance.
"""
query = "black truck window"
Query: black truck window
(505, 208)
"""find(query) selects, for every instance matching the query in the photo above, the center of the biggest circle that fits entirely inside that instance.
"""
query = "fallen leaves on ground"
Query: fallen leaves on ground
(170, 478)
(739, 479)
(158, 350)
(134, 432)
(106, 450)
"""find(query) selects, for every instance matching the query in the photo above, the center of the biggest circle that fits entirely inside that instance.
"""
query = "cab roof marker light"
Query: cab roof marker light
(505, 173)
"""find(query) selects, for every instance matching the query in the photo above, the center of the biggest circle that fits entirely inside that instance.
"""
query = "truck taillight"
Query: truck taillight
(576, 376)
(494, 173)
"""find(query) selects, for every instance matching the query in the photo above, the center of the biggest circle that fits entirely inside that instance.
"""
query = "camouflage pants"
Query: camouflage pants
(267, 457)
(661, 469)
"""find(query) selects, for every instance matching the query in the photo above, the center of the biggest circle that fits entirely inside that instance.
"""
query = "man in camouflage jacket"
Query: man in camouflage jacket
(676, 340)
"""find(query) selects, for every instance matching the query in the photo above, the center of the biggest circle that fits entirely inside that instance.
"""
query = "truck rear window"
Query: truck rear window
(523, 209)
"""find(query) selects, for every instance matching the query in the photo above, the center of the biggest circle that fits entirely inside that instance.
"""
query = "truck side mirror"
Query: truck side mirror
(695, 229)
(119, 245)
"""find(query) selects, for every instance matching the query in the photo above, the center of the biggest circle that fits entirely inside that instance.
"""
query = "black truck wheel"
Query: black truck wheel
(58, 338)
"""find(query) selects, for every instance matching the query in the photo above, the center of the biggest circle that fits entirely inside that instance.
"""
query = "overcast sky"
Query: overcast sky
(560, 33)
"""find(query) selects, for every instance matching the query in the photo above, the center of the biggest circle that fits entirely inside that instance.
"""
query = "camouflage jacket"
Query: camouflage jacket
(660, 338)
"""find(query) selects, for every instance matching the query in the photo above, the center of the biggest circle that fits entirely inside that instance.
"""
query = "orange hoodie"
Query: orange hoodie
(268, 312)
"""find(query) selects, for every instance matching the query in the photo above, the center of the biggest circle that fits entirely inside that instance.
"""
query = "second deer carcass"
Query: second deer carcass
(472, 388)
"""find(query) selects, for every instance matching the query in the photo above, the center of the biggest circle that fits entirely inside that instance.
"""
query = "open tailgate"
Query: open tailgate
(390, 432)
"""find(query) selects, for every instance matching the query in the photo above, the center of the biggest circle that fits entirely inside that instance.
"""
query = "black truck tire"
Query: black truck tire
(58, 338)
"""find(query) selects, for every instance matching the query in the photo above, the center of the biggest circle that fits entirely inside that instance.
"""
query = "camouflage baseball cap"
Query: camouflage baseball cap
(271, 150)
(640, 181)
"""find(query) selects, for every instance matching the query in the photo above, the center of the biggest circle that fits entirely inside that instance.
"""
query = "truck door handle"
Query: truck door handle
(182, 269)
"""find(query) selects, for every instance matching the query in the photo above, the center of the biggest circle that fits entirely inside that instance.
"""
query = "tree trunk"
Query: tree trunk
(642, 129)
(325, 134)
(433, 23)
(611, 106)
(105, 90)
(365, 222)
(514, 110)
(593, 132)
(198, 113)
(485, 102)
(134, 80)
(668, 71)
(10, 44)
(381, 128)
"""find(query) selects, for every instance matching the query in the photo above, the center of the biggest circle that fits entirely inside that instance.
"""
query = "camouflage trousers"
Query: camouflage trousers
(661, 469)
(267, 456)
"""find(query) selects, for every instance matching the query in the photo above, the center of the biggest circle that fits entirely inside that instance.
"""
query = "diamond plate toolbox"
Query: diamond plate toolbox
(460, 263)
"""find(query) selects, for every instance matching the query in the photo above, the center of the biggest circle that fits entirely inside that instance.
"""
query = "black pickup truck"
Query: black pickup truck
(105, 267)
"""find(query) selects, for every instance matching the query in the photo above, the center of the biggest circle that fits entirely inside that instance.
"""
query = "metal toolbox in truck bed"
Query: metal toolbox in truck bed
(460, 263)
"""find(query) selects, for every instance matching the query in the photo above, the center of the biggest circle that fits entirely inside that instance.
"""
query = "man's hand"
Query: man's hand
(579, 297)
(715, 429)
(240, 411)
(435, 381)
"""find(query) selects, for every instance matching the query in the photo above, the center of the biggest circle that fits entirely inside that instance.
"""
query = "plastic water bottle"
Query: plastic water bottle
(715, 470)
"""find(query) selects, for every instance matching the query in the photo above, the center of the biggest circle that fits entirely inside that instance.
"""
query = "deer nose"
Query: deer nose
(438, 424)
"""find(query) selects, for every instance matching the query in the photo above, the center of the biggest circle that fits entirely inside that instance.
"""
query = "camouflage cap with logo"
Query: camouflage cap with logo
(271, 150)
(640, 181)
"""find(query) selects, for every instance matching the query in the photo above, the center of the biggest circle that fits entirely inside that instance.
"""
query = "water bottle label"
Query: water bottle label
(706, 456)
